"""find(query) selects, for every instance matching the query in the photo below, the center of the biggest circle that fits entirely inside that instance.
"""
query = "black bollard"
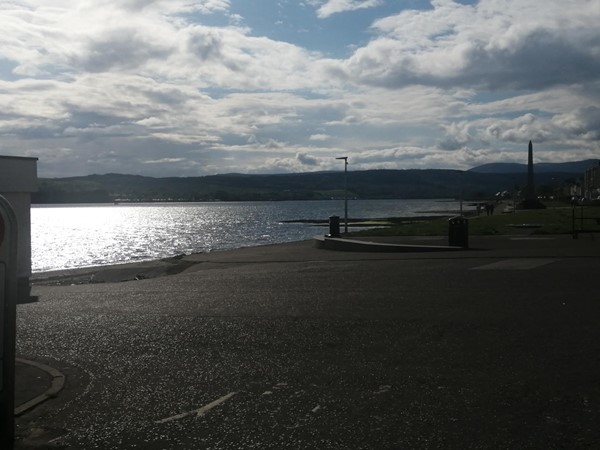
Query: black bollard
(334, 226)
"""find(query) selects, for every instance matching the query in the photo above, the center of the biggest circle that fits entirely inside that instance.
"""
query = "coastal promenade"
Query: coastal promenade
(291, 346)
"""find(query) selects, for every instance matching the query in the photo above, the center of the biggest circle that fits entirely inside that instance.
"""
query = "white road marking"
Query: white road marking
(383, 389)
(529, 238)
(517, 264)
(198, 412)
(202, 411)
(173, 418)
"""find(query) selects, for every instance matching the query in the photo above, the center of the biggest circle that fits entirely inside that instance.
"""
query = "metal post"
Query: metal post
(460, 190)
(345, 158)
(346, 196)
(573, 222)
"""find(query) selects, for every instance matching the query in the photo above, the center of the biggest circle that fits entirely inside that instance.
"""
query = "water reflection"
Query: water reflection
(83, 235)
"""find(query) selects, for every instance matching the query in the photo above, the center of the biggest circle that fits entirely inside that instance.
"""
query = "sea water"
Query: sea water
(65, 237)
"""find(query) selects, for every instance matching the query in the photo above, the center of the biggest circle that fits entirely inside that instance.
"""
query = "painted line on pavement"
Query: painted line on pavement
(529, 238)
(517, 264)
(198, 412)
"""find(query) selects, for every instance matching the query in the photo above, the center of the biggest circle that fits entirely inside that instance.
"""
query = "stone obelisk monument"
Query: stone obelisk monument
(530, 192)
(530, 201)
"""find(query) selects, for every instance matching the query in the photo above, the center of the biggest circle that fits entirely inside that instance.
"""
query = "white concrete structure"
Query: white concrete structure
(18, 179)
(592, 183)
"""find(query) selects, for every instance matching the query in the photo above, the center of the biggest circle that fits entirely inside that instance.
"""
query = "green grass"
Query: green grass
(555, 220)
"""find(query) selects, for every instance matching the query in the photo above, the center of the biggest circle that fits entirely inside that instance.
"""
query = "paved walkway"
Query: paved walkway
(491, 256)
(36, 382)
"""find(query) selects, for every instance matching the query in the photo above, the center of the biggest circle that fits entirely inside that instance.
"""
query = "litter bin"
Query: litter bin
(334, 226)
(458, 232)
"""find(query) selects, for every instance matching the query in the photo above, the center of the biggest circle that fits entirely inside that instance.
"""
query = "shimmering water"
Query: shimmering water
(66, 237)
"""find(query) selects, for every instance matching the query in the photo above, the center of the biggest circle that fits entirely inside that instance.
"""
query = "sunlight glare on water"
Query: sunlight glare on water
(66, 237)
(97, 235)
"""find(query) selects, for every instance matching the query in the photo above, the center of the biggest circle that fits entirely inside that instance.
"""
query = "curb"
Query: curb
(57, 383)
(352, 245)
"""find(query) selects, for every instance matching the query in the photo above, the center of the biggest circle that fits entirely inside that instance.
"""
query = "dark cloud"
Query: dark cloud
(543, 59)
(206, 44)
(540, 60)
(582, 123)
(307, 160)
(449, 144)
(120, 49)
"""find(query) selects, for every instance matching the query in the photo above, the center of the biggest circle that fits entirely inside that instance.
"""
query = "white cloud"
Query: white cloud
(174, 6)
(332, 7)
(520, 129)
(458, 135)
(165, 160)
(492, 44)
(106, 85)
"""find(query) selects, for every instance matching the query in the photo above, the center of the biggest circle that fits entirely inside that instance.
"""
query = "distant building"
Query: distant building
(591, 183)
(574, 190)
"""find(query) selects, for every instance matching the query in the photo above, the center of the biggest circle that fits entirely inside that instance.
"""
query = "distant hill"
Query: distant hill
(478, 183)
(575, 167)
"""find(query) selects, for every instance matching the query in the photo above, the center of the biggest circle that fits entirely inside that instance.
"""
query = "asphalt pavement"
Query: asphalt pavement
(291, 346)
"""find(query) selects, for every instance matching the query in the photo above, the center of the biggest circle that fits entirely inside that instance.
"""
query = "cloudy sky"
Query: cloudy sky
(199, 87)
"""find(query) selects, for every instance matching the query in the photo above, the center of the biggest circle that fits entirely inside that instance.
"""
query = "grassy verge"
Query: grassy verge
(553, 220)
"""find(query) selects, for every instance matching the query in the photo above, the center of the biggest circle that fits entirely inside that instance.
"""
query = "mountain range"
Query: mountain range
(478, 183)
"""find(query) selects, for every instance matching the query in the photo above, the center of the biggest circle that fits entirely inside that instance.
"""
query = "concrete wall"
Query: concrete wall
(18, 179)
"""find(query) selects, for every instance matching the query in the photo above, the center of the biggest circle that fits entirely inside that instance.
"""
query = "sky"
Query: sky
(201, 87)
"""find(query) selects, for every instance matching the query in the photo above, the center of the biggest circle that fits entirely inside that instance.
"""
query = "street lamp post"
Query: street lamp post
(345, 158)
(460, 190)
